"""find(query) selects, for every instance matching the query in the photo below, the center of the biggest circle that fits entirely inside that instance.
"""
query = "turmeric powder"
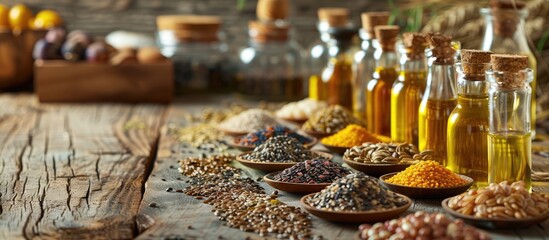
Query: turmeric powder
(353, 135)
(427, 174)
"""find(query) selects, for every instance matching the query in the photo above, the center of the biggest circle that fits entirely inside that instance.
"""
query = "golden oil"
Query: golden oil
(317, 90)
(406, 96)
(510, 157)
(467, 138)
(433, 125)
(378, 99)
(336, 82)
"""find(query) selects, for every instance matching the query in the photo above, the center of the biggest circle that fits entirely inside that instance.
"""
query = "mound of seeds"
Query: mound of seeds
(197, 167)
(501, 201)
(330, 120)
(387, 153)
(259, 137)
(421, 225)
(261, 213)
(281, 149)
(312, 171)
(353, 135)
(202, 136)
(248, 121)
(356, 192)
(427, 174)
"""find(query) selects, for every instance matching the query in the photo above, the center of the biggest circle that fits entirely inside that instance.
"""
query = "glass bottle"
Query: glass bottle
(440, 97)
(505, 33)
(364, 60)
(378, 90)
(468, 123)
(509, 138)
(408, 90)
(337, 75)
(200, 56)
(318, 52)
(271, 67)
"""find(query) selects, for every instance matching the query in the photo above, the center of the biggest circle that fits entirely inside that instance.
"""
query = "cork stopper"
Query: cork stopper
(441, 48)
(475, 63)
(190, 28)
(272, 10)
(511, 67)
(372, 19)
(505, 16)
(264, 31)
(507, 4)
(335, 17)
(386, 36)
(415, 43)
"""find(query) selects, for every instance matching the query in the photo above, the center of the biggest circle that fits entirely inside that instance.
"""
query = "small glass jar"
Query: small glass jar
(199, 54)
(270, 67)
(509, 136)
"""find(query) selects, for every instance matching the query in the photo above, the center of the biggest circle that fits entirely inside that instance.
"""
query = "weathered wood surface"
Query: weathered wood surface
(73, 171)
(176, 211)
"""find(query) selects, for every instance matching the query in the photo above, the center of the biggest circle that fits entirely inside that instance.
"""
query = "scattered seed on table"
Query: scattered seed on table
(153, 204)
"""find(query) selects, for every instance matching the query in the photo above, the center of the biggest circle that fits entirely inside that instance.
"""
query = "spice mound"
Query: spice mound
(353, 135)
(387, 153)
(281, 149)
(312, 171)
(356, 192)
(248, 121)
(421, 225)
(330, 120)
(501, 201)
(259, 137)
(427, 174)
(301, 110)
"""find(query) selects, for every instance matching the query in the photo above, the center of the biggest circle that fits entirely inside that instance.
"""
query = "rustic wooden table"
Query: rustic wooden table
(91, 171)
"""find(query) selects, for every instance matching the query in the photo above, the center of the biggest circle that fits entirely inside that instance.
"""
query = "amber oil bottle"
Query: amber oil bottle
(378, 90)
(440, 97)
(408, 90)
(468, 123)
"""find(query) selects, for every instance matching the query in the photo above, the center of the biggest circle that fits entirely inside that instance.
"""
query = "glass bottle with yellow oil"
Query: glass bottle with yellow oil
(364, 60)
(338, 74)
(509, 137)
(408, 90)
(439, 98)
(505, 34)
(378, 90)
(468, 124)
(318, 52)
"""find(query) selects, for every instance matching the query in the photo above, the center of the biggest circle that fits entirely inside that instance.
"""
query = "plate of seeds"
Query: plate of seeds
(306, 177)
(335, 149)
(500, 206)
(256, 138)
(316, 134)
(243, 147)
(427, 179)
(375, 169)
(275, 166)
(356, 198)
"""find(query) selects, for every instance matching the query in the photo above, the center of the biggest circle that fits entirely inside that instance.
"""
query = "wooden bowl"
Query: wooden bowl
(242, 147)
(420, 192)
(494, 223)
(231, 133)
(272, 166)
(318, 135)
(295, 121)
(303, 188)
(335, 149)
(375, 170)
(355, 217)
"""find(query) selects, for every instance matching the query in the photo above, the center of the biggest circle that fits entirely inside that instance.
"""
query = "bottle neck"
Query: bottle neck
(269, 45)
(412, 62)
(337, 48)
(441, 82)
(385, 59)
(505, 32)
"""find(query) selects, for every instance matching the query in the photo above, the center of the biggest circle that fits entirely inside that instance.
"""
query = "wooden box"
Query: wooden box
(63, 81)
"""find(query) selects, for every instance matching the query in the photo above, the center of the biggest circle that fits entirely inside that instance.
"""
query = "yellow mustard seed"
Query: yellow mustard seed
(427, 174)
(353, 135)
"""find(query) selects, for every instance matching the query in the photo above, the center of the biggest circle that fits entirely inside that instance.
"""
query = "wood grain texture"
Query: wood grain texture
(72, 171)
(175, 212)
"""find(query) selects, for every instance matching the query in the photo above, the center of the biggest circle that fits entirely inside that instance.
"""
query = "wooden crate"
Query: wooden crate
(63, 81)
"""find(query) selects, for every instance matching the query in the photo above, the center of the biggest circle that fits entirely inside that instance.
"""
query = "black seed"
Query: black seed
(153, 204)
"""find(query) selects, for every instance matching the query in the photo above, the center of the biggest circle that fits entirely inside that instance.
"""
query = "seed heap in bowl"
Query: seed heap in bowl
(501, 201)
(387, 153)
(356, 192)
(281, 149)
(260, 136)
(301, 110)
(330, 120)
(312, 171)
(353, 135)
(248, 121)
(421, 225)
(427, 174)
